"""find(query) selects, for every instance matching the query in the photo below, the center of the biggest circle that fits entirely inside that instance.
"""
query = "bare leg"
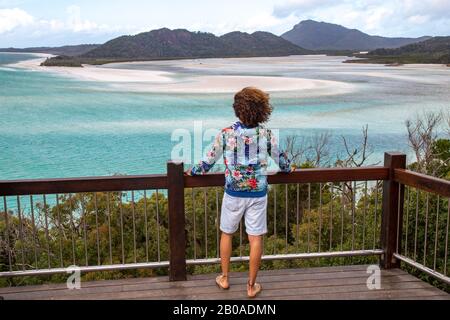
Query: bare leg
(255, 257)
(225, 255)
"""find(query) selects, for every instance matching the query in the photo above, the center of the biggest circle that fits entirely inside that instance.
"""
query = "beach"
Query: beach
(119, 77)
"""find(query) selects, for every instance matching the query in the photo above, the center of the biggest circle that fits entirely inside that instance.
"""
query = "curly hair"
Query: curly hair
(252, 107)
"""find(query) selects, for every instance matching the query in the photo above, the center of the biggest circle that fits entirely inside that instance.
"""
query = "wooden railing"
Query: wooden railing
(333, 181)
(431, 213)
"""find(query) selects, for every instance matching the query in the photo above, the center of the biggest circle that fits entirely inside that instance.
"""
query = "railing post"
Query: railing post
(392, 215)
(177, 238)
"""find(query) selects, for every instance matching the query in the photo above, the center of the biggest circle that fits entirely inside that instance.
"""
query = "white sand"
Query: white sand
(96, 73)
(162, 81)
(229, 84)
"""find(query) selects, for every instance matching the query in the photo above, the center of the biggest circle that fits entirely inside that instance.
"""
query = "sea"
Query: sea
(54, 126)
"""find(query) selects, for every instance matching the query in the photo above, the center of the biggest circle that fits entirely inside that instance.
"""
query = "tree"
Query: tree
(422, 134)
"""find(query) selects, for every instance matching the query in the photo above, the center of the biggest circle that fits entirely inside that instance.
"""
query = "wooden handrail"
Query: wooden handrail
(77, 185)
(147, 182)
(142, 182)
(423, 182)
(301, 176)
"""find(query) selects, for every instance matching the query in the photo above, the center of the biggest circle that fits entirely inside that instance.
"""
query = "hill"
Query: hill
(313, 35)
(183, 44)
(64, 50)
(434, 50)
(259, 44)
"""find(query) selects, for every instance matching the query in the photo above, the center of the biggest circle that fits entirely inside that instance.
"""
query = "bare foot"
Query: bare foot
(253, 289)
(222, 281)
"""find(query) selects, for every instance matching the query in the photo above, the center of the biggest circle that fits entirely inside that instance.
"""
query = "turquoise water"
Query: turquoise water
(55, 126)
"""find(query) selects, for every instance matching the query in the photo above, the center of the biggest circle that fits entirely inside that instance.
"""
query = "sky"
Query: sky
(25, 23)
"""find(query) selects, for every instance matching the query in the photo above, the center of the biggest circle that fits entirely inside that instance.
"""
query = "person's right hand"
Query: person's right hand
(188, 172)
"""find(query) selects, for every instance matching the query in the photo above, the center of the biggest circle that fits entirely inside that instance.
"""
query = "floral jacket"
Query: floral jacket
(245, 152)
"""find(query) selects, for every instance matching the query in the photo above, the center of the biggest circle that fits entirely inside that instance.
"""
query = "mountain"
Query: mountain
(434, 50)
(75, 50)
(313, 35)
(174, 44)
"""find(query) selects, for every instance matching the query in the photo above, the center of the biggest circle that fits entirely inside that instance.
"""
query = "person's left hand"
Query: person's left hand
(188, 172)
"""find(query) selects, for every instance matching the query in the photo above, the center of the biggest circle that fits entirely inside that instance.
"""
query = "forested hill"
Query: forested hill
(435, 46)
(74, 50)
(259, 44)
(180, 44)
(434, 50)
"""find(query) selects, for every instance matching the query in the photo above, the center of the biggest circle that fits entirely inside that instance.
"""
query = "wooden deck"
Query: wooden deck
(346, 282)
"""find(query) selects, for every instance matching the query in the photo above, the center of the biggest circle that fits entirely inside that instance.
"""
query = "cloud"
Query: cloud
(436, 9)
(295, 7)
(258, 22)
(389, 18)
(75, 22)
(10, 19)
(19, 28)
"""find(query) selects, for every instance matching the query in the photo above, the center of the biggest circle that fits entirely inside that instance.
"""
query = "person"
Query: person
(246, 147)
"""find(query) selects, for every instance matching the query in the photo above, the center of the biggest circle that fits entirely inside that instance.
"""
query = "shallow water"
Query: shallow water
(55, 126)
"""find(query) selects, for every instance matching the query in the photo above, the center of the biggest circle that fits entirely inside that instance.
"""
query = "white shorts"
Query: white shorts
(253, 209)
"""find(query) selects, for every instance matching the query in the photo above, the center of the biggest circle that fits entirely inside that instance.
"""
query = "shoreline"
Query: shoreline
(198, 75)
(394, 64)
(154, 81)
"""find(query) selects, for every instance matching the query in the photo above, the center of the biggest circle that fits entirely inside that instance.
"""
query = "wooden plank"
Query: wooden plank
(327, 285)
(151, 280)
(404, 290)
(88, 284)
(177, 222)
(300, 176)
(392, 214)
(438, 297)
(375, 295)
(262, 273)
(270, 293)
(76, 185)
(345, 282)
(207, 285)
(268, 276)
(423, 182)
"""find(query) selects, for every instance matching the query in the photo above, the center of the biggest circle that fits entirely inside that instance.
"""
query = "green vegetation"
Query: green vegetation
(166, 44)
(434, 50)
(62, 61)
